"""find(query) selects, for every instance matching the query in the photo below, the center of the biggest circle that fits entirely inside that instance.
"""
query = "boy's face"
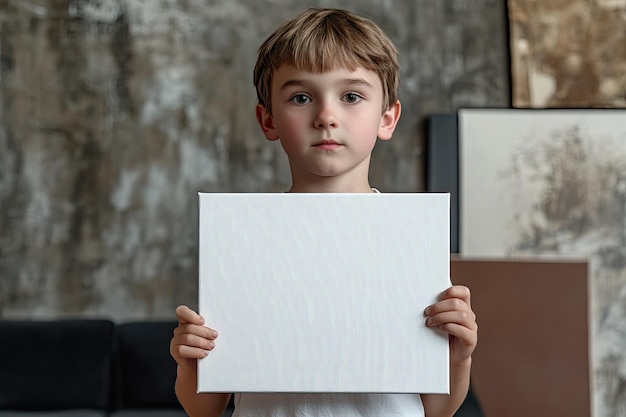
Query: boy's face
(327, 122)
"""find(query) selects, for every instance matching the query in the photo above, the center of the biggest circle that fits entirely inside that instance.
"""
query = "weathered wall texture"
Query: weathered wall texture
(115, 113)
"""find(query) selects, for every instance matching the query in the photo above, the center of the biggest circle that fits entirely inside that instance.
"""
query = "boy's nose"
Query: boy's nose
(326, 117)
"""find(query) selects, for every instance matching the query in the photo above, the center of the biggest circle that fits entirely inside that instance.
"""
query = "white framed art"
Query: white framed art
(553, 183)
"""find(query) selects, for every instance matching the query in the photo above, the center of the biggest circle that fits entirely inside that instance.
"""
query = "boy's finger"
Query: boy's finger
(467, 337)
(194, 341)
(193, 329)
(457, 291)
(187, 315)
(463, 318)
(450, 304)
(189, 352)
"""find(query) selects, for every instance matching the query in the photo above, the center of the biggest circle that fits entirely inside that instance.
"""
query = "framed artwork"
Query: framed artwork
(568, 53)
(553, 183)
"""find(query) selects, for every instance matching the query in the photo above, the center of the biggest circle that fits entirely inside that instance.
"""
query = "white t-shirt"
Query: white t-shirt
(327, 405)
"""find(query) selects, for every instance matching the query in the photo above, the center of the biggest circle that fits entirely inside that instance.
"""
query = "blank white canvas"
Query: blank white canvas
(323, 292)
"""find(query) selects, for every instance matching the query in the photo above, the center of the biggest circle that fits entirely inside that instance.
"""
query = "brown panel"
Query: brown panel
(532, 357)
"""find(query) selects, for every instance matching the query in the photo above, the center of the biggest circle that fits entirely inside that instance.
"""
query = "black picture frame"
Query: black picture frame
(442, 165)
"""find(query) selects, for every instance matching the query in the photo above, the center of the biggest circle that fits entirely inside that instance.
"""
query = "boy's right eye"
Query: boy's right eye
(300, 99)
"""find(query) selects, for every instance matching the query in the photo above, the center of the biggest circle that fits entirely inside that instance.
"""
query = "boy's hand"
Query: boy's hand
(453, 314)
(192, 340)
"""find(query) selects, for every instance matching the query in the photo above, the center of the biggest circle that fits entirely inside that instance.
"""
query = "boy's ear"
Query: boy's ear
(389, 121)
(264, 118)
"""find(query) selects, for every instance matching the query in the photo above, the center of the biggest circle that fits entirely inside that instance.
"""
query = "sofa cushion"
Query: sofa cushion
(59, 413)
(146, 371)
(151, 412)
(56, 364)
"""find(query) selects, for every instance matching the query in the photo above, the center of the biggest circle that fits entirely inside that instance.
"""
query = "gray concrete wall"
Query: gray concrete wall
(115, 113)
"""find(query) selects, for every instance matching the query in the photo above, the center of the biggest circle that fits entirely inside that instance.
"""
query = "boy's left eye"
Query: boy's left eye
(352, 98)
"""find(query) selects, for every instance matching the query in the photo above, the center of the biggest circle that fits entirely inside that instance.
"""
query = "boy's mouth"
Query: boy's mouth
(328, 144)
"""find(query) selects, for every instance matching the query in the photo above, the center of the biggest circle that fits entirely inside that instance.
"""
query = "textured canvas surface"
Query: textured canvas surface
(323, 292)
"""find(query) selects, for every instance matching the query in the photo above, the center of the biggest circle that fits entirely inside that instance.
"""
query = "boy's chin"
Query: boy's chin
(332, 173)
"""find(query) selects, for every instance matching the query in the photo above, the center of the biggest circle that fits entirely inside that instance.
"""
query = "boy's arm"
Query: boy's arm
(192, 341)
(198, 404)
(436, 405)
(453, 314)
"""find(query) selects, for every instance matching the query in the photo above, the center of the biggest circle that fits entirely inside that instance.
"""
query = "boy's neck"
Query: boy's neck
(330, 185)
(355, 180)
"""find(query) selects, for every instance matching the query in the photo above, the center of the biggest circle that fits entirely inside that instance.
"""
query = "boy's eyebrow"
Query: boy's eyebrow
(349, 81)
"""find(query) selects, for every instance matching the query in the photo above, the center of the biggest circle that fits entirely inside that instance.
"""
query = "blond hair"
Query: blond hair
(318, 40)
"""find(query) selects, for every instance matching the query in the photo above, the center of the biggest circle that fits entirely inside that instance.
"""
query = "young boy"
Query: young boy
(327, 84)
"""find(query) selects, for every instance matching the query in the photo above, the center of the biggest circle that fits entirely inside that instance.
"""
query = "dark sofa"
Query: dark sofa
(95, 368)
(87, 367)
